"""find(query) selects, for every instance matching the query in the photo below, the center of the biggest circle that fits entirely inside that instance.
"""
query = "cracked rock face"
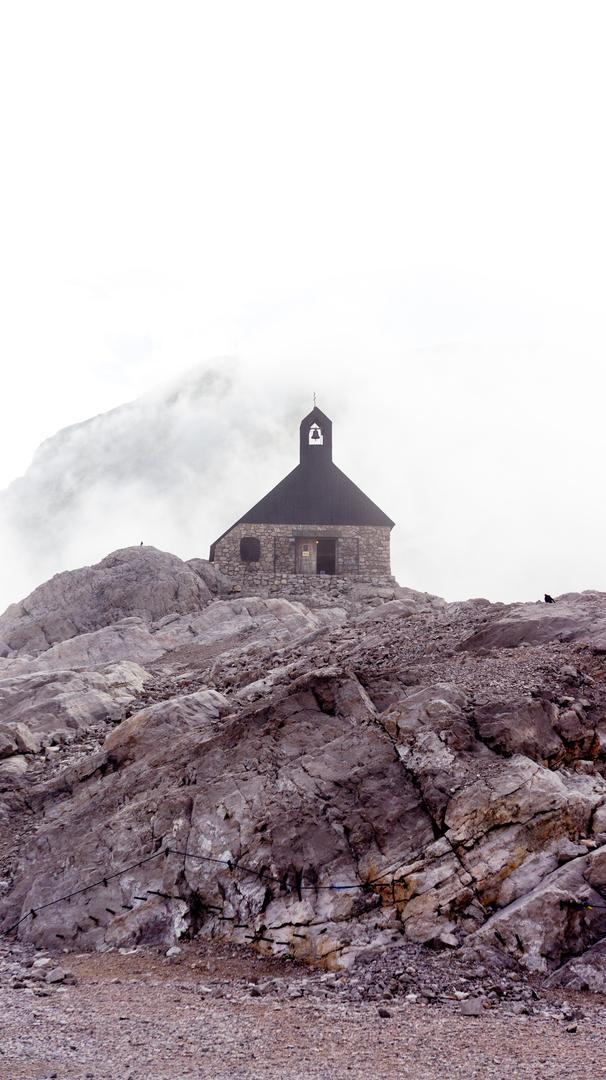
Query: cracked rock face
(322, 785)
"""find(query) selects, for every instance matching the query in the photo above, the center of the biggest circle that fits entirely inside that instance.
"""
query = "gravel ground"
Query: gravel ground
(415, 652)
(219, 1011)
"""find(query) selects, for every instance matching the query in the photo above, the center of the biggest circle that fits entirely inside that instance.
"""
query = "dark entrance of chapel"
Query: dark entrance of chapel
(316, 556)
(326, 555)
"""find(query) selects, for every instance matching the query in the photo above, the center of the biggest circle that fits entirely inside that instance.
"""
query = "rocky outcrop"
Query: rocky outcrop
(564, 914)
(137, 581)
(235, 623)
(87, 680)
(55, 706)
(574, 617)
(311, 787)
(323, 784)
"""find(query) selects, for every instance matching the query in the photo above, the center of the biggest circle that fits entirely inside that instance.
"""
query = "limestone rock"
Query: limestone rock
(521, 727)
(575, 617)
(137, 581)
(143, 732)
(562, 915)
(32, 706)
(218, 583)
(331, 781)
(393, 609)
(599, 819)
(8, 743)
(471, 1007)
(584, 972)
(27, 742)
(13, 767)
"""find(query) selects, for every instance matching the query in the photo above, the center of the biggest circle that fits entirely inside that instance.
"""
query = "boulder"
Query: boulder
(136, 581)
(12, 769)
(218, 583)
(584, 972)
(521, 727)
(562, 916)
(27, 741)
(8, 743)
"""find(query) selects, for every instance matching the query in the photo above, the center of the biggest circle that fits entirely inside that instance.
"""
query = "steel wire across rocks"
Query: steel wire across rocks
(229, 864)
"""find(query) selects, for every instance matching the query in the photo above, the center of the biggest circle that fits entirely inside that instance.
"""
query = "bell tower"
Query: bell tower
(316, 439)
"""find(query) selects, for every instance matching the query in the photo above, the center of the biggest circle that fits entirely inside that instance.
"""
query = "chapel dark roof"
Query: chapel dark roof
(316, 492)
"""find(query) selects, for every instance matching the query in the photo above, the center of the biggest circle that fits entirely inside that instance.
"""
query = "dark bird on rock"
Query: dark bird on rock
(549, 599)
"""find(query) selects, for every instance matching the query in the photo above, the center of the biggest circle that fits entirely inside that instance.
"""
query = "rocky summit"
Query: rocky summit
(375, 781)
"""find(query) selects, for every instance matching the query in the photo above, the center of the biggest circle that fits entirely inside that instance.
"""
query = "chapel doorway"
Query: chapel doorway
(326, 555)
(316, 556)
(305, 556)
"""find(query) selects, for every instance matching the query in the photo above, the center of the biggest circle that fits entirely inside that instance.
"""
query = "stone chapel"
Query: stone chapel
(315, 522)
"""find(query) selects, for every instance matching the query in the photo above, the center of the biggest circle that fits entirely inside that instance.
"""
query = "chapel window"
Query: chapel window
(250, 549)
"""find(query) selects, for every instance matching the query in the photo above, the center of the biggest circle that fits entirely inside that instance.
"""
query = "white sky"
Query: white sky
(403, 196)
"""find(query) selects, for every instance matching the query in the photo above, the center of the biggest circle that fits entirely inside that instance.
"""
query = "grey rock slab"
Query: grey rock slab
(35, 705)
(56, 975)
(562, 915)
(129, 639)
(471, 1007)
(575, 617)
(584, 972)
(136, 581)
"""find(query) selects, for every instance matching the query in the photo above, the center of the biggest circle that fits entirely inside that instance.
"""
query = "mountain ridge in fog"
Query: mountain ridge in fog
(493, 493)
(171, 468)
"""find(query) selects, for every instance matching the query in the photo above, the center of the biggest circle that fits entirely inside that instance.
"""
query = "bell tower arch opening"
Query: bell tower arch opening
(316, 441)
(316, 438)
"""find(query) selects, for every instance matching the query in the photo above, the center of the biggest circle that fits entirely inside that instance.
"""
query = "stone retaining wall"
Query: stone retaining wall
(330, 587)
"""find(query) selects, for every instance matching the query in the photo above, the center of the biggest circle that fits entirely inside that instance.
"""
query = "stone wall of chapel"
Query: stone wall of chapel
(362, 550)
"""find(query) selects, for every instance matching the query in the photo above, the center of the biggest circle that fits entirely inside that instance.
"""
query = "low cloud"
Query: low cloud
(493, 477)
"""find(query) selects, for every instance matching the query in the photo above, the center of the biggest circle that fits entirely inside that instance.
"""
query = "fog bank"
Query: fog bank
(493, 478)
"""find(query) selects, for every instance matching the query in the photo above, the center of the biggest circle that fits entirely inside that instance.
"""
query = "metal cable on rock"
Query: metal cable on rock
(263, 876)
